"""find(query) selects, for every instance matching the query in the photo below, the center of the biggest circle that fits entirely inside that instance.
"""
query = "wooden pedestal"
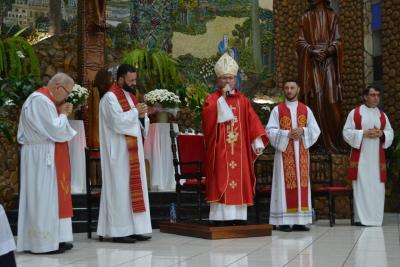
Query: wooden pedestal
(200, 230)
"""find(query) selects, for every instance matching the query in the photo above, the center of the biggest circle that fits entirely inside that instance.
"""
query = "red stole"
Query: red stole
(134, 163)
(352, 173)
(229, 154)
(63, 169)
(289, 160)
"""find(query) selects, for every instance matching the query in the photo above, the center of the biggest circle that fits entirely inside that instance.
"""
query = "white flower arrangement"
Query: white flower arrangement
(78, 96)
(162, 97)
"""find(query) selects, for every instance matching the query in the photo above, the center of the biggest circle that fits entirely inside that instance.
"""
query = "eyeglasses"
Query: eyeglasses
(374, 95)
(65, 90)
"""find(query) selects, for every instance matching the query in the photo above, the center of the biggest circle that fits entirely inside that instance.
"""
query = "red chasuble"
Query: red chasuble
(134, 163)
(289, 160)
(230, 156)
(63, 169)
(352, 173)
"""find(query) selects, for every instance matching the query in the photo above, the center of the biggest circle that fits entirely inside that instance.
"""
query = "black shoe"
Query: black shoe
(358, 224)
(140, 237)
(300, 228)
(284, 228)
(65, 246)
(124, 239)
(53, 252)
(239, 222)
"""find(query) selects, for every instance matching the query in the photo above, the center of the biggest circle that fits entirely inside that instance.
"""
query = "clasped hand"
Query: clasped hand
(296, 133)
(373, 133)
(142, 109)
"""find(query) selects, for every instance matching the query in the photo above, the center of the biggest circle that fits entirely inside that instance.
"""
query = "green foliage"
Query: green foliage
(195, 95)
(120, 36)
(156, 69)
(17, 58)
(15, 90)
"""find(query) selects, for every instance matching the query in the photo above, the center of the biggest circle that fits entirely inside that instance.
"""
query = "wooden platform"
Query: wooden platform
(215, 232)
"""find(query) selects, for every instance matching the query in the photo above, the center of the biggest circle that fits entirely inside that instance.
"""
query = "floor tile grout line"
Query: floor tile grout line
(196, 254)
(246, 255)
(318, 238)
(135, 259)
(351, 250)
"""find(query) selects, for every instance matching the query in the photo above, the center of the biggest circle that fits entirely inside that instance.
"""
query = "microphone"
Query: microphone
(227, 89)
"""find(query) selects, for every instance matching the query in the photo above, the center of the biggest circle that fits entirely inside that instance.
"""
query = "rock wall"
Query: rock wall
(58, 54)
(287, 14)
(391, 59)
(9, 162)
(351, 26)
(391, 82)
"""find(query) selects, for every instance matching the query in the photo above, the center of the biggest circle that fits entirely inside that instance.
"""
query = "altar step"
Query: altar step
(160, 203)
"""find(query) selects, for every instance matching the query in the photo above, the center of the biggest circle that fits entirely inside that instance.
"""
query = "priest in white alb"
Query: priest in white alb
(292, 130)
(368, 132)
(234, 138)
(45, 205)
(124, 204)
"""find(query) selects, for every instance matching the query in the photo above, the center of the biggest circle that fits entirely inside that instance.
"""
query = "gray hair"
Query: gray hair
(62, 78)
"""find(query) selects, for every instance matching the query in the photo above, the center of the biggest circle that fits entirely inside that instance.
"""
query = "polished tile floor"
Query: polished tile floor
(342, 245)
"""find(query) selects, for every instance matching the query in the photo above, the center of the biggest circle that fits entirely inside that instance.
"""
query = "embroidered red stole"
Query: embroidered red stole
(63, 169)
(289, 160)
(352, 173)
(134, 163)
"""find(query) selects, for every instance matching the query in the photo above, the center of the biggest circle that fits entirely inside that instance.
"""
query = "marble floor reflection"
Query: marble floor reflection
(342, 245)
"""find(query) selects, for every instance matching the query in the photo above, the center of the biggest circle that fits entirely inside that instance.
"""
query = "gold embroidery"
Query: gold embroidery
(290, 170)
(232, 164)
(302, 120)
(285, 123)
(65, 187)
(303, 165)
(353, 164)
(232, 138)
(235, 119)
(233, 184)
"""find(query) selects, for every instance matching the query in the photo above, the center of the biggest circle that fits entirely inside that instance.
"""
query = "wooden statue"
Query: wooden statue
(320, 54)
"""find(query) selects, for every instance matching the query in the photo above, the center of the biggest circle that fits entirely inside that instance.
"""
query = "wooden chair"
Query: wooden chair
(263, 169)
(188, 158)
(323, 186)
(93, 186)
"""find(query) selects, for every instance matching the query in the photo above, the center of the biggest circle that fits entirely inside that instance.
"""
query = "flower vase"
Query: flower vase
(162, 117)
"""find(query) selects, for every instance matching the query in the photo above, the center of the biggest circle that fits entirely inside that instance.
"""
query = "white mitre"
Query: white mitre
(226, 65)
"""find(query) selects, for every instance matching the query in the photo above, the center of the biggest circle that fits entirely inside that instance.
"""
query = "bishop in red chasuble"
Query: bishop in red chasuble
(234, 138)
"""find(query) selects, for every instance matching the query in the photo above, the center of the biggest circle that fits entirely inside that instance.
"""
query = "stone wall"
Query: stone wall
(287, 14)
(58, 54)
(391, 82)
(391, 59)
(351, 26)
(9, 162)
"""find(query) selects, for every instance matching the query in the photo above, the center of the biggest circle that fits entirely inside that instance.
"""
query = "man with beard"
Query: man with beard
(124, 205)
(234, 137)
(292, 130)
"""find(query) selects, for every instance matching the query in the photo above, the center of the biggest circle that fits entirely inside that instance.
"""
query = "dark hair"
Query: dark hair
(372, 86)
(327, 4)
(123, 69)
(103, 81)
(291, 81)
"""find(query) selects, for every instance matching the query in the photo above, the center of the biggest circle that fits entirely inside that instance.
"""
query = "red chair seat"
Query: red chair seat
(194, 182)
(264, 190)
(333, 189)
